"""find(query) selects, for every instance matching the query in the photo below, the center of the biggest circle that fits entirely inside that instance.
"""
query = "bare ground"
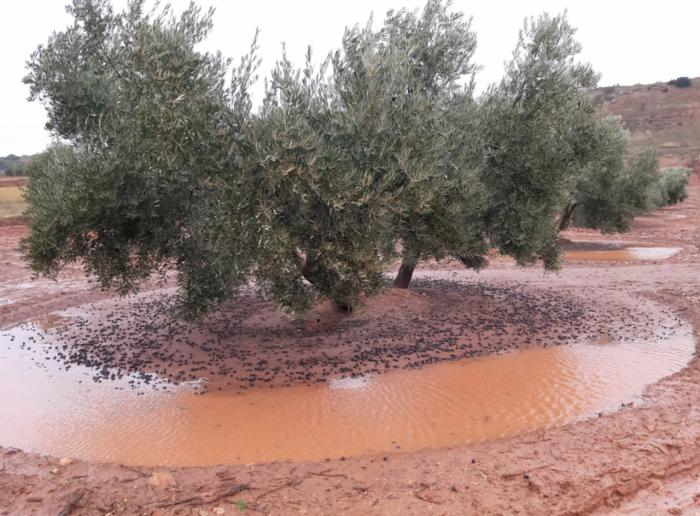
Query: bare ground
(642, 459)
(662, 116)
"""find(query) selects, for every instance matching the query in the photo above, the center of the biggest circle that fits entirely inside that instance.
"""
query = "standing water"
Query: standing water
(624, 254)
(64, 413)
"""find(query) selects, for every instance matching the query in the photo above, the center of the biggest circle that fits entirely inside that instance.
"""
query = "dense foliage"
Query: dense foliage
(538, 131)
(154, 175)
(608, 193)
(13, 165)
(391, 126)
(381, 152)
(672, 185)
(598, 192)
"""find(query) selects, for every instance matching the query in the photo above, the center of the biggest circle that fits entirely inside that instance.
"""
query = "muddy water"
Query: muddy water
(627, 254)
(64, 413)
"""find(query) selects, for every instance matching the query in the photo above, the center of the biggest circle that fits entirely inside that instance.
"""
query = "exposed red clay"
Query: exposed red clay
(644, 456)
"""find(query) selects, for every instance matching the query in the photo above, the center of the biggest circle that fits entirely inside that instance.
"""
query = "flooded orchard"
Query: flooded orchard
(622, 254)
(64, 413)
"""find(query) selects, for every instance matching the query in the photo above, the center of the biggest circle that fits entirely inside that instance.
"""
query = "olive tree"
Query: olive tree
(430, 131)
(537, 131)
(156, 173)
(641, 188)
(672, 185)
(599, 193)
(380, 152)
(376, 154)
(608, 192)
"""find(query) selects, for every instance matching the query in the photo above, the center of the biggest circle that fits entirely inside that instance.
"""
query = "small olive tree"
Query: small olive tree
(641, 189)
(672, 185)
(597, 193)
(607, 193)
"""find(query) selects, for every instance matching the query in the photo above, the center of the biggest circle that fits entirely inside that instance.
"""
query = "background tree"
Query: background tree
(672, 185)
(606, 194)
(13, 165)
(641, 189)
(681, 82)
(537, 131)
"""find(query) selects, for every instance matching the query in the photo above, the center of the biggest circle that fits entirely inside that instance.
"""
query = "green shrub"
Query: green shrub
(672, 185)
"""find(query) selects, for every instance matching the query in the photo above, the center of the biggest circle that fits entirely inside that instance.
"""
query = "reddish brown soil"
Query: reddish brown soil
(12, 181)
(659, 115)
(250, 343)
(641, 459)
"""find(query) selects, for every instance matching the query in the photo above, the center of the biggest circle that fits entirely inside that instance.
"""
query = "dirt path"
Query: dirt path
(642, 459)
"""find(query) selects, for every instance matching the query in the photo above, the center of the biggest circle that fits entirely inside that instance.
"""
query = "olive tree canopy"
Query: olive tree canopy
(538, 130)
(156, 172)
(380, 153)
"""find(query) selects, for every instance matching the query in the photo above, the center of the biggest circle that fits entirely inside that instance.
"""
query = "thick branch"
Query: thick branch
(307, 272)
(567, 215)
(304, 266)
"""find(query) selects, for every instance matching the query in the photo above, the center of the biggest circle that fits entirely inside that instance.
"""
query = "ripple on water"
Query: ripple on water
(64, 413)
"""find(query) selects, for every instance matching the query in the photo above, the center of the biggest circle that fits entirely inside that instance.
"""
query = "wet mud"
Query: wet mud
(635, 459)
(445, 404)
(252, 344)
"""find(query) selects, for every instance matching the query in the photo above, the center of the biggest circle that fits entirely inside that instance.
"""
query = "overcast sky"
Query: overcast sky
(627, 41)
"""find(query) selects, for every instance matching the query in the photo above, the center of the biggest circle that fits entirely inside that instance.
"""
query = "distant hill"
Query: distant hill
(660, 115)
(13, 165)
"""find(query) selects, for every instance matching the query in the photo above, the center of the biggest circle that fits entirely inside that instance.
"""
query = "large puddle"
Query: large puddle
(625, 254)
(64, 413)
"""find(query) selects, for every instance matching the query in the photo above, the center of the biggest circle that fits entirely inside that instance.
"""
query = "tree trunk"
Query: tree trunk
(566, 216)
(403, 277)
(307, 272)
(304, 267)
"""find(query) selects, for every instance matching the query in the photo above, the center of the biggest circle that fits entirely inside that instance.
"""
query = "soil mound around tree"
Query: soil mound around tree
(250, 343)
